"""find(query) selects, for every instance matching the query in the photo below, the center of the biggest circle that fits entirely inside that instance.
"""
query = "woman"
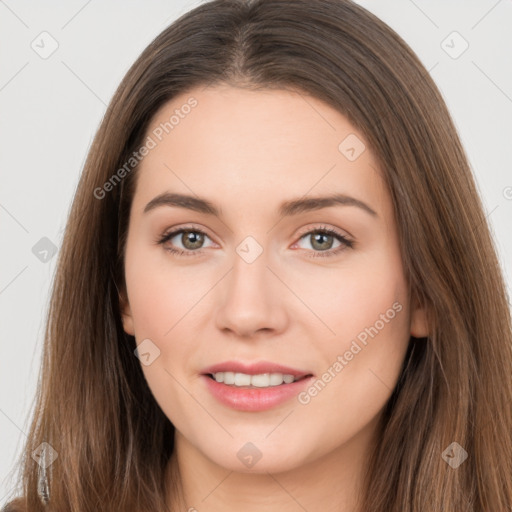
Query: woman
(277, 289)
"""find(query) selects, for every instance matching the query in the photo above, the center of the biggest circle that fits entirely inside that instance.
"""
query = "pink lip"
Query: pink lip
(252, 399)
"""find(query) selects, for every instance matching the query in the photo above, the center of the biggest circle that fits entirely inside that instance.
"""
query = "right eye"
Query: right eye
(191, 240)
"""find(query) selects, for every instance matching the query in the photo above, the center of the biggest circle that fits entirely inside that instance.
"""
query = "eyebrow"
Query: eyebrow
(286, 209)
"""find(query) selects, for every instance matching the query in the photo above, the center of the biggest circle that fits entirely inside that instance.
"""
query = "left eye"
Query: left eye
(322, 240)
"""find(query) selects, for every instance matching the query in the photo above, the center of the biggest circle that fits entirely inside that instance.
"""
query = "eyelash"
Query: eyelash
(345, 242)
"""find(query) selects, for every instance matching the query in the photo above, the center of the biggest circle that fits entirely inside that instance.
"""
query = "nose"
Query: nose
(251, 299)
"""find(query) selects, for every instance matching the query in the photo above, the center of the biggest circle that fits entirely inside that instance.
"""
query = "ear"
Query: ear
(126, 314)
(419, 320)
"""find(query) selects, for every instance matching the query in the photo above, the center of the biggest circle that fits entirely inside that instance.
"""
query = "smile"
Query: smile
(254, 387)
(261, 380)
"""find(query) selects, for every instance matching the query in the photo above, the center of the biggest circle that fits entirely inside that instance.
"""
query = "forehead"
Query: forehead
(243, 145)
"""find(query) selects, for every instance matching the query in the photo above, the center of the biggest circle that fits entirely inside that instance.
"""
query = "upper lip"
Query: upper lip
(254, 368)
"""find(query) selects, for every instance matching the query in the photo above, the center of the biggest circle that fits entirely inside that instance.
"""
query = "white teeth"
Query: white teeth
(229, 377)
(242, 379)
(275, 379)
(262, 380)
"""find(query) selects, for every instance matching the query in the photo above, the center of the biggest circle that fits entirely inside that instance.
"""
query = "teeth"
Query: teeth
(241, 379)
(262, 380)
(229, 378)
(288, 379)
(275, 379)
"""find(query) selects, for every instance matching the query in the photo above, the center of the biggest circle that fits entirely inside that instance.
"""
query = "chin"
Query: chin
(256, 458)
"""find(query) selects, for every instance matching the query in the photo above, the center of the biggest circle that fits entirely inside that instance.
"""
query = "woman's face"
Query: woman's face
(267, 275)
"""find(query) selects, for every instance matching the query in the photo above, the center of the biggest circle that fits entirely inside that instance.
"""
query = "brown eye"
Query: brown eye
(192, 239)
(185, 241)
(321, 241)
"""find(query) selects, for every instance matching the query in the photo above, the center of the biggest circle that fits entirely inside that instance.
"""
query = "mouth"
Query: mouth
(260, 380)
(254, 386)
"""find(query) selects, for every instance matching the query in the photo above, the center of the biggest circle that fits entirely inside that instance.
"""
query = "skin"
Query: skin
(246, 152)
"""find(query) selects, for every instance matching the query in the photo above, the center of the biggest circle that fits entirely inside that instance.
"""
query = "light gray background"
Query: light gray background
(50, 109)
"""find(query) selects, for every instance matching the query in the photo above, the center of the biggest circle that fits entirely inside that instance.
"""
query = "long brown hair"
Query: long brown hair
(94, 406)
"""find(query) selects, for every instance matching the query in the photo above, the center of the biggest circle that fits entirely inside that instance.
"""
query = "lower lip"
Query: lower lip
(254, 399)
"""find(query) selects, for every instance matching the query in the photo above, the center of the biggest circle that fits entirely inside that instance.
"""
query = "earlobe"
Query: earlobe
(419, 321)
(126, 315)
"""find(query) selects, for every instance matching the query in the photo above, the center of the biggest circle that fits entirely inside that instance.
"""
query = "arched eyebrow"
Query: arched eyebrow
(306, 204)
(286, 209)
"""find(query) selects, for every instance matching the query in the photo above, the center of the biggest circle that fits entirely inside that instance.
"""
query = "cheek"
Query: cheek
(365, 305)
(162, 300)
(160, 291)
(354, 295)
